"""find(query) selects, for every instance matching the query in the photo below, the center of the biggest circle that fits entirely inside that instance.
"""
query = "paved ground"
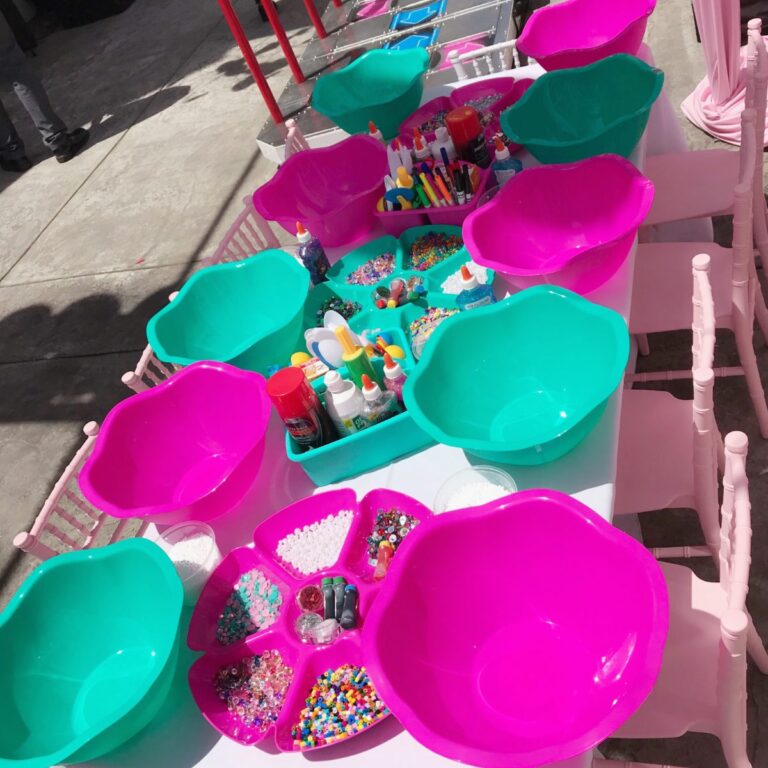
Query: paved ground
(91, 249)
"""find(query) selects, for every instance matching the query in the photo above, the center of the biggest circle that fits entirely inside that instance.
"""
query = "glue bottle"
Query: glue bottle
(355, 358)
(311, 254)
(504, 166)
(473, 294)
(379, 406)
(394, 378)
(443, 141)
(344, 403)
(421, 151)
(374, 132)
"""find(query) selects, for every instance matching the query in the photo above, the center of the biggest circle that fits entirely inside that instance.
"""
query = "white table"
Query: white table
(180, 737)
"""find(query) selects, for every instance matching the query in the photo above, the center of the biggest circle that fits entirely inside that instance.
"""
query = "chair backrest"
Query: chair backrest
(294, 139)
(67, 521)
(506, 55)
(704, 322)
(757, 76)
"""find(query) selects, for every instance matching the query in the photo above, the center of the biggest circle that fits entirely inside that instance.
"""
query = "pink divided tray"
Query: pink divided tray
(307, 661)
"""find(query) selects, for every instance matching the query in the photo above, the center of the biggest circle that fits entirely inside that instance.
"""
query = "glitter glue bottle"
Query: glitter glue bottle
(355, 358)
(504, 166)
(311, 254)
(379, 406)
(344, 403)
(467, 135)
(374, 132)
(394, 378)
(473, 294)
(299, 407)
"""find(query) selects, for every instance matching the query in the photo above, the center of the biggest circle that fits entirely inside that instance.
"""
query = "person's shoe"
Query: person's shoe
(73, 142)
(15, 164)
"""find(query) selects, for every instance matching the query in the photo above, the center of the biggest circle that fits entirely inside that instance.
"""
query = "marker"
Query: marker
(442, 187)
(422, 196)
(445, 175)
(430, 192)
(458, 181)
(468, 184)
(444, 155)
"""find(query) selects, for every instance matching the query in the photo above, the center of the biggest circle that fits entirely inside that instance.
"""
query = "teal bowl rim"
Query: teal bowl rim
(349, 70)
(162, 651)
(602, 390)
(172, 307)
(576, 72)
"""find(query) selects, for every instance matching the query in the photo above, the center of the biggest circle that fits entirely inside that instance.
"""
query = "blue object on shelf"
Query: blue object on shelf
(422, 40)
(421, 15)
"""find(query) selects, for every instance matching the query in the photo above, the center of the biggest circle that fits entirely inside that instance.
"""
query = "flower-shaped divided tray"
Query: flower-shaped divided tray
(306, 660)
(361, 311)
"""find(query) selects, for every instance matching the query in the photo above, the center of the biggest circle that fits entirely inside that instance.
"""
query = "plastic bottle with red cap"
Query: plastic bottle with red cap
(310, 253)
(300, 408)
(379, 405)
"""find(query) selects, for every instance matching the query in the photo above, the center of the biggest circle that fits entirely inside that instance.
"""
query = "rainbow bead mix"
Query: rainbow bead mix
(391, 525)
(423, 327)
(254, 688)
(433, 248)
(373, 270)
(434, 121)
(252, 605)
(342, 703)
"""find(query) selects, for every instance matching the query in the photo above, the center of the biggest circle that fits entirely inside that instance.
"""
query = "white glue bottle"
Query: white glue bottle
(443, 141)
(344, 403)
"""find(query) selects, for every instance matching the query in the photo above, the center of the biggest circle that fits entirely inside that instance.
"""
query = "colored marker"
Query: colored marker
(458, 180)
(442, 187)
(422, 196)
(468, 184)
(430, 192)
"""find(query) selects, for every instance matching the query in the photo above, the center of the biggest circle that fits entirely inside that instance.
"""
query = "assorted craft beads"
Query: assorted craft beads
(433, 248)
(316, 546)
(342, 703)
(252, 605)
(254, 688)
(373, 270)
(391, 525)
(344, 307)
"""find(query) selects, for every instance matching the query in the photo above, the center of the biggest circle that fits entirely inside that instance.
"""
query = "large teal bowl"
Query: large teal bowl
(572, 114)
(89, 648)
(523, 381)
(382, 85)
(245, 313)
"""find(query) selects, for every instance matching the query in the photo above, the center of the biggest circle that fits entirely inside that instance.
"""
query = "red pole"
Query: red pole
(282, 38)
(314, 17)
(250, 59)
(337, 3)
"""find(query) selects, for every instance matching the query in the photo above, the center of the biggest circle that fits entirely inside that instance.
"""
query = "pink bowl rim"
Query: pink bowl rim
(274, 185)
(605, 726)
(564, 257)
(548, 10)
(160, 391)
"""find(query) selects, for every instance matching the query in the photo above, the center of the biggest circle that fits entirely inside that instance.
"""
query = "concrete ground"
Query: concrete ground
(91, 249)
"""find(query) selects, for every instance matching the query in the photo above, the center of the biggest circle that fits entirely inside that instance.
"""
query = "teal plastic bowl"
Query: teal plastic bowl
(246, 313)
(522, 381)
(572, 114)
(382, 85)
(89, 648)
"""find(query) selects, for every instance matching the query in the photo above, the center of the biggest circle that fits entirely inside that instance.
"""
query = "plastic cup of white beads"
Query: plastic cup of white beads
(473, 487)
(193, 550)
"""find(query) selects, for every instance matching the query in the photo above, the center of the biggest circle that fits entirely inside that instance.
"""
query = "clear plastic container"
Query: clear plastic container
(473, 487)
(193, 550)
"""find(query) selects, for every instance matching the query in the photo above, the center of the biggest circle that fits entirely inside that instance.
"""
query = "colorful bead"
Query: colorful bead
(391, 525)
(434, 121)
(253, 604)
(423, 327)
(342, 703)
(345, 308)
(373, 270)
(254, 688)
(433, 248)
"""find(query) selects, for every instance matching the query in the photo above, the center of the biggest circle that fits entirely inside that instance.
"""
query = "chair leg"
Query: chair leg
(761, 311)
(643, 347)
(751, 373)
(756, 649)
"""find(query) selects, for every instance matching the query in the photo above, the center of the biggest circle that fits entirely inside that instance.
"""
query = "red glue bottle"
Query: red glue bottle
(300, 408)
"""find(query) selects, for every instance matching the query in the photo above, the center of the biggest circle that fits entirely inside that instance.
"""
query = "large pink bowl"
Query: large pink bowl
(579, 32)
(571, 225)
(332, 191)
(517, 634)
(187, 449)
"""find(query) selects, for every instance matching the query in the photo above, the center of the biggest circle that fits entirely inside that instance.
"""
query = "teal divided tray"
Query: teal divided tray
(374, 447)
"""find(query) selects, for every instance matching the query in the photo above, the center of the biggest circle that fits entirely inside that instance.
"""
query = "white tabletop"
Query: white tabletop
(180, 738)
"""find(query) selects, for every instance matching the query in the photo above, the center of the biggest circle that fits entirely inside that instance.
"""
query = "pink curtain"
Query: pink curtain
(716, 103)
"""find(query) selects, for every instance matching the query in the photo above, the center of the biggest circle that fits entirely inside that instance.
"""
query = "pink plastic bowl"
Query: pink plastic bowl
(517, 634)
(332, 191)
(307, 661)
(570, 225)
(579, 32)
(187, 449)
